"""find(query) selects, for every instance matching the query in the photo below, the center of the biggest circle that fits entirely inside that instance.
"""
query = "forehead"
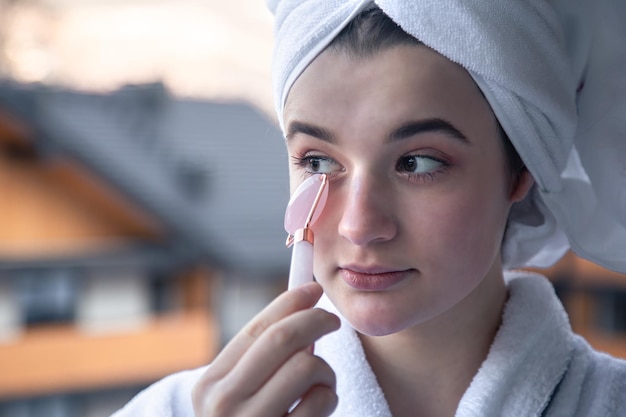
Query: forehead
(402, 82)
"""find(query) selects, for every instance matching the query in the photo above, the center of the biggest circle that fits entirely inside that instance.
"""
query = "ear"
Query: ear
(521, 188)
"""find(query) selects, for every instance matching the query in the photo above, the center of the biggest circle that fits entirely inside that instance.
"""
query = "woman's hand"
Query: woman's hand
(270, 365)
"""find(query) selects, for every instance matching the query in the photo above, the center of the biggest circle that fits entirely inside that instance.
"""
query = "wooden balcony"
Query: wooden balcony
(65, 359)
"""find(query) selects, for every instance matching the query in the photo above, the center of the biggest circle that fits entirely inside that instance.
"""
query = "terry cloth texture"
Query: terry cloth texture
(553, 73)
(535, 367)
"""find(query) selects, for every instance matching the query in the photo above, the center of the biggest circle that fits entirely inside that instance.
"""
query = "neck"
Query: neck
(430, 366)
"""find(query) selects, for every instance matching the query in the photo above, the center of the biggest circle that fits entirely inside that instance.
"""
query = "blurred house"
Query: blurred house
(137, 232)
(595, 300)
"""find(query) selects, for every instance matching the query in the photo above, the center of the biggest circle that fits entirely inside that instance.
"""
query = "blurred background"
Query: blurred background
(142, 189)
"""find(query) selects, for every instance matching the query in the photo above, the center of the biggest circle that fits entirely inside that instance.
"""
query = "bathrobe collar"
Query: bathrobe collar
(529, 356)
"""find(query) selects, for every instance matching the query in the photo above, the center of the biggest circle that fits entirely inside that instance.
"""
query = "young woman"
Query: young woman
(428, 204)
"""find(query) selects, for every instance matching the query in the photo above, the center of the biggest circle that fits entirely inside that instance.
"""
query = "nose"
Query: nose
(367, 215)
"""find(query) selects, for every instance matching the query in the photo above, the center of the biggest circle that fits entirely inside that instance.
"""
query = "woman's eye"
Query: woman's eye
(416, 164)
(318, 164)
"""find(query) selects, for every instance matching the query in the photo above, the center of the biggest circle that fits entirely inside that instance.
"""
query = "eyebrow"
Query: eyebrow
(405, 131)
(425, 126)
(308, 129)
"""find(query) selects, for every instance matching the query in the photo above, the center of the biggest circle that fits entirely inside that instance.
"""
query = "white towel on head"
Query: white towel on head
(553, 73)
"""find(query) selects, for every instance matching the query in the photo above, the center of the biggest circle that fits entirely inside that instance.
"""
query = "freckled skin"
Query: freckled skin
(444, 229)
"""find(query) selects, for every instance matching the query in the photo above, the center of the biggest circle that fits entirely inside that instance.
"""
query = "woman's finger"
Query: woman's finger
(284, 305)
(292, 382)
(319, 401)
(278, 344)
(216, 393)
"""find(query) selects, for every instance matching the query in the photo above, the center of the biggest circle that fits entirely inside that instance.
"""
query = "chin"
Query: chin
(377, 327)
(376, 322)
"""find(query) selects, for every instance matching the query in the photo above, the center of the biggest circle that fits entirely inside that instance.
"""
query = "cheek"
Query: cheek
(328, 243)
(451, 232)
(325, 228)
(460, 224)
(294, 178)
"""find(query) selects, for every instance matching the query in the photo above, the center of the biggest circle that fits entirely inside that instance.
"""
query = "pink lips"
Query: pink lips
(372, 279)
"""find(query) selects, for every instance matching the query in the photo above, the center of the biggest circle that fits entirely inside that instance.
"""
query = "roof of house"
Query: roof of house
(214, 173)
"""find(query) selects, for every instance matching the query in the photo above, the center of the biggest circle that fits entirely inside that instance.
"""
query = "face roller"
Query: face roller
(304, 208)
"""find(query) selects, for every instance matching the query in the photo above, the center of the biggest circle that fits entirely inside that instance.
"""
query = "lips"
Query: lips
(374, 278)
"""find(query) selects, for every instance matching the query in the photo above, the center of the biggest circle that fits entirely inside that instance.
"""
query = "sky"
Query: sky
(208, 49)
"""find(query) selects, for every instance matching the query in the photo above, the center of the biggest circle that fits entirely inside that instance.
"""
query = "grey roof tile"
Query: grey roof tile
(214, 173)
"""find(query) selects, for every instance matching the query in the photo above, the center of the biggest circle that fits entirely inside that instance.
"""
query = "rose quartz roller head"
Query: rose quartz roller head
(304, 208)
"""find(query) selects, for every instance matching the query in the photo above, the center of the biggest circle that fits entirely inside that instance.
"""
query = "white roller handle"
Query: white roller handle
(301, 270)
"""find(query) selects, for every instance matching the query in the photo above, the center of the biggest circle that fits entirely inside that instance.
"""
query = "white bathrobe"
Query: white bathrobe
(535, 367)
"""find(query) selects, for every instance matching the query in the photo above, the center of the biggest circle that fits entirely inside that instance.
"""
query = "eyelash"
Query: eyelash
(423, 176)
(304, 162)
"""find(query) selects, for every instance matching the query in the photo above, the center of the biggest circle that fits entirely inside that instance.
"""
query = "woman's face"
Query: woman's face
(418, 187)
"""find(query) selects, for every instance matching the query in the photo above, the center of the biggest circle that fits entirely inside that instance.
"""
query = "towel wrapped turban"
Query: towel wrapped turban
(554, 73)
